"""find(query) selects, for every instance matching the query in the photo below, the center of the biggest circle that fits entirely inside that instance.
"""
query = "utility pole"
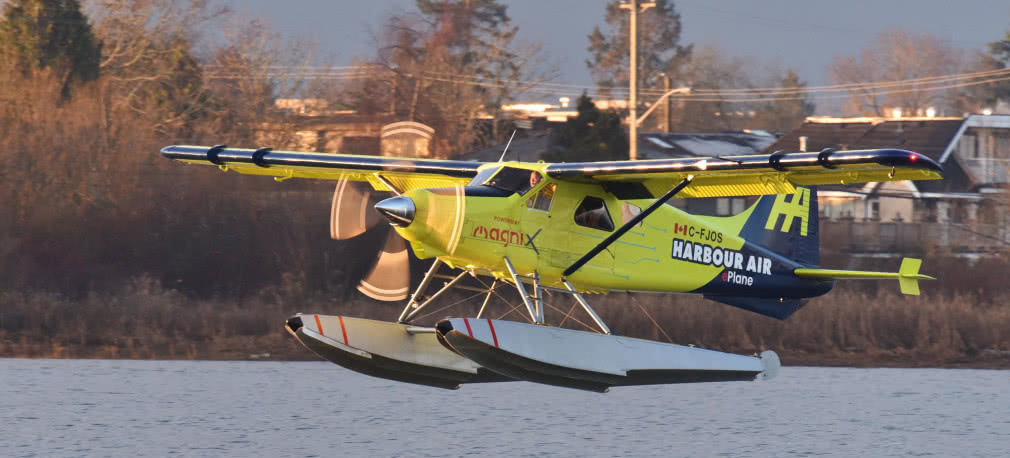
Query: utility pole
(669, 105)
(635, 6)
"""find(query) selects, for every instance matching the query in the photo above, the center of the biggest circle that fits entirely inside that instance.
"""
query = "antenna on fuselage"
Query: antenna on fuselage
(502, 158)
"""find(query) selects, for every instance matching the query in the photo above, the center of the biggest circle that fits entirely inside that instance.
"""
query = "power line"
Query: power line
(923, 84)
(854, 86)
(701, 93)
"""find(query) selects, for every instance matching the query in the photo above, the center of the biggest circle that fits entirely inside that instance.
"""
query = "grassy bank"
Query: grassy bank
(846, 327)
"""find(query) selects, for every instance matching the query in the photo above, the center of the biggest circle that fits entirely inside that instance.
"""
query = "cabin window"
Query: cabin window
(592, 212)
(727, 206)
(722, 206)
(629, 212)
(515, 180)
(739, 204)
(542, 200)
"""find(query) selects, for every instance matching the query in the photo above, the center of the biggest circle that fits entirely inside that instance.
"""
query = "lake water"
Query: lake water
(183, 408)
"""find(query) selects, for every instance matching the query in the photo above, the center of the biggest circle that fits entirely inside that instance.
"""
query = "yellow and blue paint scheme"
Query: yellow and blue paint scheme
(764, 259)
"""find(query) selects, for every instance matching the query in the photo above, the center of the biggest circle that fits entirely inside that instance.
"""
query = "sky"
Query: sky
(805, 35)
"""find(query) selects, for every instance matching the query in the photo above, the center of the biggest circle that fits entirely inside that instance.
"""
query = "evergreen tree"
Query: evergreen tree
(785, 115)
(659, 46)
(1000, 58)
(50, 34)
(430, 60)
(593, 135)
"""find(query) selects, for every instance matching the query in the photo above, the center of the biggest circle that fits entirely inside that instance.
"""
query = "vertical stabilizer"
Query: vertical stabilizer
(908, 276)
(787, 224)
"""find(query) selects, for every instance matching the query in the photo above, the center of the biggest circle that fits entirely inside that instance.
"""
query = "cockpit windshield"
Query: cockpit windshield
(514, 180)
(482, 176)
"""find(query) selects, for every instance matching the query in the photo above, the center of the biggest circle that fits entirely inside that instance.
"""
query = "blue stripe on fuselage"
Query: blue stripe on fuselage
(779, 283)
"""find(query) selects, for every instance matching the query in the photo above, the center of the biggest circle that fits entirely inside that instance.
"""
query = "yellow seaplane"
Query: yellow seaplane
(573, 228)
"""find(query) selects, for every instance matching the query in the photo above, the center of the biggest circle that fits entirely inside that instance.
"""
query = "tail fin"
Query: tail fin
(787, 224)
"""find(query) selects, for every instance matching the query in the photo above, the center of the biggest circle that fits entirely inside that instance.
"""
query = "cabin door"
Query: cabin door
(540, 223)
(591, 222)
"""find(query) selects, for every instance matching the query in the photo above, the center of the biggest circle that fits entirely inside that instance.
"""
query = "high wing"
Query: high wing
(381, 172)
(775, 173)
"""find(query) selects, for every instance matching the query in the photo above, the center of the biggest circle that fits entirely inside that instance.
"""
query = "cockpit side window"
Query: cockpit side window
(542, 200)
(592, 212)
(629, 212)
(514, 180)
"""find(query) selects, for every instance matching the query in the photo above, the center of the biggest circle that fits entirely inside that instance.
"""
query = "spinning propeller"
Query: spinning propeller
(351, 214)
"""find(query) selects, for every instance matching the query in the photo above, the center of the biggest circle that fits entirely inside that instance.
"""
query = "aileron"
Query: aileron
(776, 173)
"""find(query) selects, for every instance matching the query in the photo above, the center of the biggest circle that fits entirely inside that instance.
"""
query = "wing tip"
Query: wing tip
(897, 157)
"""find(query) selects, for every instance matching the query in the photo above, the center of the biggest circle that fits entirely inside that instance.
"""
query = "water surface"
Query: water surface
(184, 408)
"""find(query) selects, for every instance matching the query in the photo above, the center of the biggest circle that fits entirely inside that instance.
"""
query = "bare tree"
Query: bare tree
(450, 66)
(252, 69)
(149, 59)
(893, 56)
(710, 69)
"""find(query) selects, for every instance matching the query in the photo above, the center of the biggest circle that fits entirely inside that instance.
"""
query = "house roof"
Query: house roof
(528, 147)
(654, 145)
(823, 135)
(930, 137)
(924, 136)
(651, 145)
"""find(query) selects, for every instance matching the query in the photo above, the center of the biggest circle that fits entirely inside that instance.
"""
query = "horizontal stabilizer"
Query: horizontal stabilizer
(908, 275)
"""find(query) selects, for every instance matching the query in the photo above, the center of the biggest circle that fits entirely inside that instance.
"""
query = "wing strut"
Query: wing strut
(627, 226)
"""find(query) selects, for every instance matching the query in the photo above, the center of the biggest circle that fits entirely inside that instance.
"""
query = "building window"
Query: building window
(1002, 144)
(592, 213)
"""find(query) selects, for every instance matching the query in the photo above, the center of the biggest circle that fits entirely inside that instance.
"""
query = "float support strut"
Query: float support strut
(420, 290)
(522, 291)
(585, 306)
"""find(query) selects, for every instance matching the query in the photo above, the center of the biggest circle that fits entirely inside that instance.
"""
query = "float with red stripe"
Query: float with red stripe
(591, 361)
(392, 351)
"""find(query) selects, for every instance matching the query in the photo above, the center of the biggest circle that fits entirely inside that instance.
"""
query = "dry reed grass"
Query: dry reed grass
(145, 321)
